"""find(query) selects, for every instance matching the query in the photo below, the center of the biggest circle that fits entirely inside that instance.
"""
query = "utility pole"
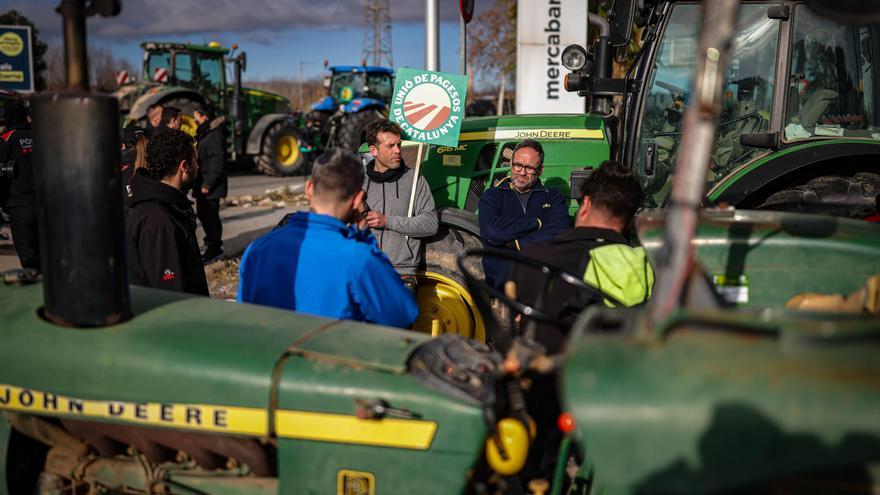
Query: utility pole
(432, 35)
(377, 33)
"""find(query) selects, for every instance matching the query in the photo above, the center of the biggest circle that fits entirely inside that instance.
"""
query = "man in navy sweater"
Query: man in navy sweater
(519, 210)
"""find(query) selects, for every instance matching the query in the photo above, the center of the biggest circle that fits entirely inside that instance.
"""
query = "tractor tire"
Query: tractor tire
(353, 131)
(280, 153)
(851, 197)
(187, 107)
(445, 304)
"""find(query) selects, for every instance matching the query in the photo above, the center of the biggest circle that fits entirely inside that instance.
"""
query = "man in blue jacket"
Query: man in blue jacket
(519, 210)
(319, 262)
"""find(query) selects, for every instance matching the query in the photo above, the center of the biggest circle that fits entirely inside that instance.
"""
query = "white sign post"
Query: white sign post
(544, 29)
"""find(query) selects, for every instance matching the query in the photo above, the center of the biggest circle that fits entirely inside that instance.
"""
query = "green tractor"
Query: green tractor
(106, 388)
(261, 126)
(799, 129)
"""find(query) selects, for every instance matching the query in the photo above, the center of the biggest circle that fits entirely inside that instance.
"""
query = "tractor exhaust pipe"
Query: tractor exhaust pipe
(79, 196)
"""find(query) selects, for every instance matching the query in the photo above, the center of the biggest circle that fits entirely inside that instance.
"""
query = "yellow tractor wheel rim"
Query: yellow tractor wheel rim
(445, 306)
(188, 124)
(286, 150)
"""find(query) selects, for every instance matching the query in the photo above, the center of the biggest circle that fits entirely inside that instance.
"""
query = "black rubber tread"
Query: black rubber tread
(852, 197)
(266, 162)
(443, 250)
(351, 134)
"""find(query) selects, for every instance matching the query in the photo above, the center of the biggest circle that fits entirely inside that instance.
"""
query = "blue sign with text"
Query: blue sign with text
(16, 59)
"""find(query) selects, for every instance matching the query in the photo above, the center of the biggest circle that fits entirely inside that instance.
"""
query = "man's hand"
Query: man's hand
(377, 220)
(205, 190)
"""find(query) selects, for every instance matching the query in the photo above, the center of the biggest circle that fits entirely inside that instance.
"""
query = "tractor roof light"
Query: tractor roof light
(574, 57)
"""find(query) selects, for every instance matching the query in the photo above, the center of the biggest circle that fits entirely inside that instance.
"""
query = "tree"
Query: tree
(15, 18)
(492, 44)
(103, 67)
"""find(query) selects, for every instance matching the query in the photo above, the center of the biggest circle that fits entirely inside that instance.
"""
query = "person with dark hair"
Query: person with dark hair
(211, 184)
(319, 262)
(154, 119)
(16, 144)
(132, 135)
(388, 185)
(162, 249)
(519, 210)
(597, 250)
(170, 118)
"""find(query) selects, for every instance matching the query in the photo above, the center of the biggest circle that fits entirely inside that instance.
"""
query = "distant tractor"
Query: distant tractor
(261, 126)
(356, 95)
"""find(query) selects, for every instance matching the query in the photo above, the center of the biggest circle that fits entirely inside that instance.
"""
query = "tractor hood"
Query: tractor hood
(519, 127)
(752, 391)
(204, 365)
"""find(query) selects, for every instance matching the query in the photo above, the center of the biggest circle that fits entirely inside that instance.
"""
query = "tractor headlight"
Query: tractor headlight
(574, 57)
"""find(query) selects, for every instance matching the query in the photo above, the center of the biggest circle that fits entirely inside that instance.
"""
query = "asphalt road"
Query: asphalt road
(252, 183)
(239, 226)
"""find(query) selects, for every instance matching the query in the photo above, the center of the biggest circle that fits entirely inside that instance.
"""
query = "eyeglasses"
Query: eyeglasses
(520, 167)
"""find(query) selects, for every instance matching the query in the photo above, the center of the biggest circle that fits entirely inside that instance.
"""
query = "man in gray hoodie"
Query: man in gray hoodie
(388, 185)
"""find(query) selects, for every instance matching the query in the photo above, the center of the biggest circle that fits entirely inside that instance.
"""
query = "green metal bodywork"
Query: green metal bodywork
(713, 400)
(184, 350)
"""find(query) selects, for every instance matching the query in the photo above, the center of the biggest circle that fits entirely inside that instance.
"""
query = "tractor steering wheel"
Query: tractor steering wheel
(532, 311)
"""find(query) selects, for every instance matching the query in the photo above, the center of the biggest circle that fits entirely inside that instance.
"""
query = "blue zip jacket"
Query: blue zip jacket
(505, 222)
(316, 264)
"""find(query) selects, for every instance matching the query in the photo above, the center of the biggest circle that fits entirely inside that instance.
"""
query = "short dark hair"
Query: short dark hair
(204, 110)
(166, 150)
(381, 125)
(531, 143)
(169, 113)
(337, 175)
(15, 112)
(614, 188)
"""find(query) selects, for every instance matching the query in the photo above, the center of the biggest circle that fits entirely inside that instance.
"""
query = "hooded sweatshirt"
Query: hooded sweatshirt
(162, 248)
(389, 193)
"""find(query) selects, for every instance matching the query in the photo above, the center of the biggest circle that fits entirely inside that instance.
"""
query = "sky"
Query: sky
(276, 34)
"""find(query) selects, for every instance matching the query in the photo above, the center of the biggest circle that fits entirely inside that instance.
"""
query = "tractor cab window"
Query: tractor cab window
(155, 61)
(183, 69)
(748, 96)
(211, 71)
(379, 86)
(833, 88)
(346, 86)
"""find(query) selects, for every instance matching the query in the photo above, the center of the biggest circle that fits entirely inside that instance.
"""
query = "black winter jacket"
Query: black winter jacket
(162, 248)
(212, 159)
(16, 143)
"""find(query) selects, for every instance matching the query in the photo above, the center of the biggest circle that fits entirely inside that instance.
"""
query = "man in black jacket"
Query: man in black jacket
(211, 184)
(162, 247)
(16, 143)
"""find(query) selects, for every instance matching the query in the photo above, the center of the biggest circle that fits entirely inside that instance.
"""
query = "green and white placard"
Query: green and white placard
(429, 106)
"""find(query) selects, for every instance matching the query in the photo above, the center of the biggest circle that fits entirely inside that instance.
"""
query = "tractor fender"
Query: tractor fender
(325, 104)
(739, 187)
(459, 219)
(362, 104)
(139, 109)
(255, 138)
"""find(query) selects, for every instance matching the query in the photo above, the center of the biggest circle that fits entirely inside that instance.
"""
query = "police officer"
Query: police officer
(16, 143)
(211, 185)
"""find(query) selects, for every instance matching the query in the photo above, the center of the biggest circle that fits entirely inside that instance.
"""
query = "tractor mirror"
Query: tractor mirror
(859, 12)
(326, 82)
(621, 20)
(243, 56)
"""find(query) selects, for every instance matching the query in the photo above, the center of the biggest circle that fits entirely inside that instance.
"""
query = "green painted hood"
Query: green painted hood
(194, 350)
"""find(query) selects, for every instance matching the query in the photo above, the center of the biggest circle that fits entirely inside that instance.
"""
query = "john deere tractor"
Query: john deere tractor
(356, 95)
(261, 126)
(799, 128)
(106, 388)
